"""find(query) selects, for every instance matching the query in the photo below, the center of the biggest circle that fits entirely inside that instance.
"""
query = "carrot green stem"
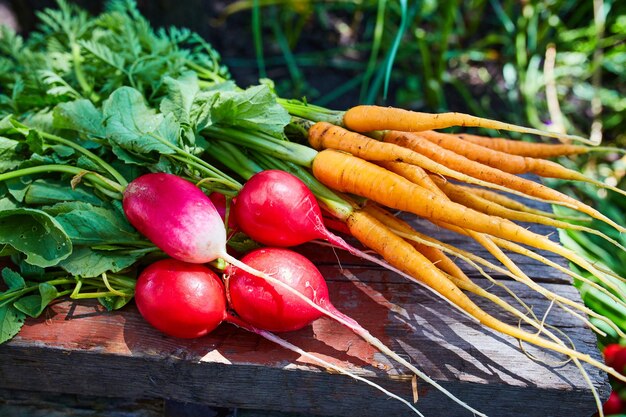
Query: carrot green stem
(311, 112)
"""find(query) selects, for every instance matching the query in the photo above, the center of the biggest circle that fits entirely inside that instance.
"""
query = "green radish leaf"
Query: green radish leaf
(114, 302)
(47, 191)
(34, 305)
(11, 321)
(87, 224)
(17, 187)
(181, 93)
(254, 108)
(81, 116)
(9, 158)
(87, 262)
(134, 127)
(13, 280)
(36, 234)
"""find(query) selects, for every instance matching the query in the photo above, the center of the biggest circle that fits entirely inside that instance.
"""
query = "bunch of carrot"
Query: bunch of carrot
(377, 159)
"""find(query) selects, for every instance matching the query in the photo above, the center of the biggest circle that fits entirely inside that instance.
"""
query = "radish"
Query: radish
(269, 307)
(188, 301)
(180, 299)
(182, 221)
(276, 208)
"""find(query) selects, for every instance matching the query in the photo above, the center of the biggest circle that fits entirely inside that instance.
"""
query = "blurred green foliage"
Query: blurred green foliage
(487, 57)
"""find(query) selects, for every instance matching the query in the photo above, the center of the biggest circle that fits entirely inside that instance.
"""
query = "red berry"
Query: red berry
(614, 405)
(615, 356)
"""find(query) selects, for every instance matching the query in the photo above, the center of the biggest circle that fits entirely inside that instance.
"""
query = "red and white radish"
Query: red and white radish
(183, 222)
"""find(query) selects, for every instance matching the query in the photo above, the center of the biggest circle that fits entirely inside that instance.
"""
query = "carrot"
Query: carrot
(534, 149)
(513, 164)
(462, 196)
(325, 135)
(370, 118)
(489, 174)
(509, 203)
(400, 253)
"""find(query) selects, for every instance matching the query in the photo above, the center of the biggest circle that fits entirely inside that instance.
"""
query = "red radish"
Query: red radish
(614, 404)
(276, 208)
(270, 307)
(183, 222)
(615, 357)
(181, 299)
(267, 307)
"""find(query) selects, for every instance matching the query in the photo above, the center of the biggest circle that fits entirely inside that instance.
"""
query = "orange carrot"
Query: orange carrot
(533, 149)
(370, 118)
(513, 164)
(489, 174)
(347, 173)
(415, 175)
(436, 256)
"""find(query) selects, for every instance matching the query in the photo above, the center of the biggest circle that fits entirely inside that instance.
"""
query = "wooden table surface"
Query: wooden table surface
(79, 348)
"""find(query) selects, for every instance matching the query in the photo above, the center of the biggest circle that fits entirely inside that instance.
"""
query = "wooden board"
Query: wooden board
(79, 348)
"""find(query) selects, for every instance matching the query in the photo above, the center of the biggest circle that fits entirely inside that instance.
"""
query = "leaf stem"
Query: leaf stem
(114, 173)
(94, 177)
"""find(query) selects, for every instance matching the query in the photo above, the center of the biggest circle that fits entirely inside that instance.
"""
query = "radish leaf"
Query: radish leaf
(11, 321)
(36, 234)
(134, 127)
(33, 305)
(87, 262)
(81, 116)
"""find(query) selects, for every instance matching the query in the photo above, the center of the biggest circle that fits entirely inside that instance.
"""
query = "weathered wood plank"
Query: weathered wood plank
(76, 344)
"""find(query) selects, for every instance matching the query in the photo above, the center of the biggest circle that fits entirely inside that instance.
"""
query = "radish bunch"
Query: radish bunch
(270, 289)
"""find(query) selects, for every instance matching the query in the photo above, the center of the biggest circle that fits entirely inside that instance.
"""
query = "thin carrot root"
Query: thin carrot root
(509, 203)
(492, 175)
(462, 196)
(534, 149)
(458, 277)
(397, 251)
(370, 118)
